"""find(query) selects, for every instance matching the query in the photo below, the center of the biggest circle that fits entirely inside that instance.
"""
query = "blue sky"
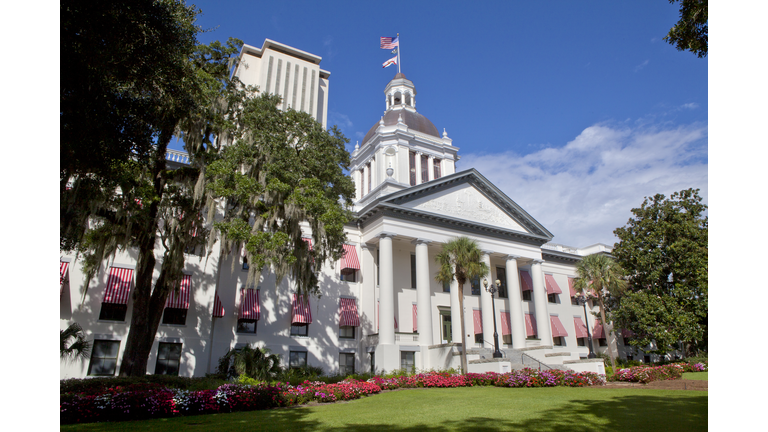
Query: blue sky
(576, 110)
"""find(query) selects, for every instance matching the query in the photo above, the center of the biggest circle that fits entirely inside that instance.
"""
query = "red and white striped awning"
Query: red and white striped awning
(302, 314)
(349, 259)
(570, 287)
(597, 332)
(552, 286)
(526, 283)
(581, 328)
(506, 329)
(530, 325)
(557, 327)
(309, 242)
(477, 317)
(180, 300)
(250, 306)
(118, 285)
(415, 318)
(63, 275)
(348, 313)
(218, 308)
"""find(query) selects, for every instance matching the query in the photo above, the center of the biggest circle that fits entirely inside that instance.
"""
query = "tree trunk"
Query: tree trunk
(463, 337)
(605, 331)
(147, 306)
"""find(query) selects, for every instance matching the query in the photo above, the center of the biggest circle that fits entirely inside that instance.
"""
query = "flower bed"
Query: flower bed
(150, 400)
(643, 374)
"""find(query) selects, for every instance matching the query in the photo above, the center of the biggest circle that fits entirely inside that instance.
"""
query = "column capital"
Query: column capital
(486, 252)
(366, 246)
(421, 241)
(387, 234)
(513, 257)
(537, 261)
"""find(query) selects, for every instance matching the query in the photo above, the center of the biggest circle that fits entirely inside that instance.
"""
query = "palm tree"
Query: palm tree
(256, 363)
(599, 272)
(73, 343)
(460, 260)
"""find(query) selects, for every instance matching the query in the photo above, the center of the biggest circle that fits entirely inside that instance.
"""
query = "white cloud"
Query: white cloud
(584, 190)
(692, 105)
(641, 65)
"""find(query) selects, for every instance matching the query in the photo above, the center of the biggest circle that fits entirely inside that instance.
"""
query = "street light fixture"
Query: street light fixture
(493, 289)
(583, 300)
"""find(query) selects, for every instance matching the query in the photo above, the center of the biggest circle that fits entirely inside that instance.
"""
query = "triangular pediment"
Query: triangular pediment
(467, 203)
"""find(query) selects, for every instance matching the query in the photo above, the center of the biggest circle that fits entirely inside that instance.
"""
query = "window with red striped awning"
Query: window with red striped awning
(349, 259)
(250, 307)
(526, 283)
(348, 313)
(180, 300)
(530, 325)
(557, 327)
(597, 332)
(218, 307)
(63, 275)
(506, 328)
(302, 314)
(118, 285)
(308, 241)
(478, 320)
(415, 318)
(552, 286)
(581, 328)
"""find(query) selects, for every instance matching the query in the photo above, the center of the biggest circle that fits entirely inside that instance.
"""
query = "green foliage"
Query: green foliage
(96, 385)
(255, 363)
(74, 345)
(664, 249)
(690, 33)
(460, 259)
(283, 169)
(600, 275)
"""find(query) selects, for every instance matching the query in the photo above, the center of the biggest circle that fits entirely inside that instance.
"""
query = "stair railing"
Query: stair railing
(524, 355)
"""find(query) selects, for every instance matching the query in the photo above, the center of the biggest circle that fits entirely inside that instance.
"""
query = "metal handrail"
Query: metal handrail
(524, 355)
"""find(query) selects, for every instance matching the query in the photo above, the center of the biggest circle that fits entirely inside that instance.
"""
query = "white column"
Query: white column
(516, 317)
(430, 168)
(364, 181)
(418, 168)
(540, 302)
(455, 312)
(374, 171)
(469, 317)
(386, 291)
(424, 308)
(486, 304)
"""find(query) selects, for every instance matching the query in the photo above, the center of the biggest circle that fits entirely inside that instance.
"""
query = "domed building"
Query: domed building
(381, 308)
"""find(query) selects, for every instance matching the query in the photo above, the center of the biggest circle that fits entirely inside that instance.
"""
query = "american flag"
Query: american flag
(389, 42)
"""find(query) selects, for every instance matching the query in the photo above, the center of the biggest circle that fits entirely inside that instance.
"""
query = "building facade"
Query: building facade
(380, 307)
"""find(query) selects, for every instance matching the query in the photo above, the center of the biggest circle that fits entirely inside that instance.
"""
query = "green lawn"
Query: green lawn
(695, 375)
(474, 408)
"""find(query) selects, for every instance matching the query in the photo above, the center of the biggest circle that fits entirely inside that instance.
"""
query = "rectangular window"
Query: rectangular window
(602, 342)
(479, 338)
(413, 271)
(246, 326)
(168, 357)
(176, 316)
(300, 330)
(424, 168)
(626, 341)
(104, 357)
(346, 363)
(507, 339)
(346, 332)
(245, 263)
(582, 342)
(527, 295)
(377, 267)
(412, 167)
(475, 285)
(407, 361)
(446, 287)
(349, 275)
(501, 275)
(436, 163)
(269, 73)
(558, 341)
(368, 166)
(113, 312)
(373, 362)
(574, 301)
(552, 298)
(297, 359)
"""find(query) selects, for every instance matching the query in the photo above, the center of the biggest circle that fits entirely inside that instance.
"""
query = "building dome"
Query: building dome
(414, 120)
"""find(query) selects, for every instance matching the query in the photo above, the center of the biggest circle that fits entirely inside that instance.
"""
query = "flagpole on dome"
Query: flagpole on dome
(398, 52)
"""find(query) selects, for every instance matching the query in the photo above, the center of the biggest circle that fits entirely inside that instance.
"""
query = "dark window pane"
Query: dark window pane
(300, 330)
(113, 312)
(413, 271)
(475, 284)
(177, 316)
(527, 295)
(446, 287)
(246, 326)
(501, 275)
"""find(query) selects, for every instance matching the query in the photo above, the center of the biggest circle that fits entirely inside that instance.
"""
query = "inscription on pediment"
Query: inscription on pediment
(466, 202)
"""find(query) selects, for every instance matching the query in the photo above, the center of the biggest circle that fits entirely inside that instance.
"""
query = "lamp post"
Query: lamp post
(493, 289)
(583, 300)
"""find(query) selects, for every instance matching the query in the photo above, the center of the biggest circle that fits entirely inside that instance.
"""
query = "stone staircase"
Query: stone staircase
(517, 358)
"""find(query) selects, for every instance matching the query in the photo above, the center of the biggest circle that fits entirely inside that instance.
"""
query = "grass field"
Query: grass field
(695, 376)
(473, 408)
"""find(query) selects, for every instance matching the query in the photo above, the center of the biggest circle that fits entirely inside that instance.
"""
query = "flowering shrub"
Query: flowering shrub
(642, 374)
(149, 400)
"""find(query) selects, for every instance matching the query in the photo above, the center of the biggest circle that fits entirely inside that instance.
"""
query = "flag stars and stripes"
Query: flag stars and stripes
(390, 42)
